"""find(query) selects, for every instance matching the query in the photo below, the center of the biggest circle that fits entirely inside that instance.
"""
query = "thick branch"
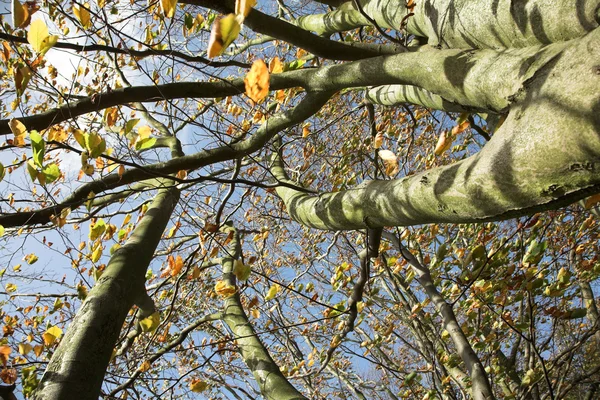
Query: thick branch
(546, 155)
(273, 385)
(76, 370)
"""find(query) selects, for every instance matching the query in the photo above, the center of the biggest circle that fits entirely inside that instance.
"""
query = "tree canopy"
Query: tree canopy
(300, 199)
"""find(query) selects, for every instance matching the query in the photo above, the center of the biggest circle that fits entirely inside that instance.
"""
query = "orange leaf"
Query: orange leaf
(257, 81)
(391, 162)
(9, 376)
(275, 66)
(443, 143)
(4, 353)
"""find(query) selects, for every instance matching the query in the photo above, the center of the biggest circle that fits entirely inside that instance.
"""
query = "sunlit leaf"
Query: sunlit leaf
(257, 81)
(31, 258)
(25, 348)
(97, 229)
(273, 290)
(224, 31)
(198, 386)
(38, 145)
(390, 161)
(51, 335)
(444, 143)
(241, 271)
(20, 15)
(145, 366)
(2, 171)
(39, 38)
(83, 14)
(224, 289)
(150, 323)
(275, 66)
(243, 7)
(145, 143)
(19, 130)
(51, 172)
(1, 230)
(167, 7)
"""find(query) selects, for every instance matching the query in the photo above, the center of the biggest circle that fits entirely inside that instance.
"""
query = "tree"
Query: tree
(346, 199)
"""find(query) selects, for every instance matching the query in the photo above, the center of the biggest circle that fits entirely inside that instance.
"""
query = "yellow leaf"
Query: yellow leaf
(272, 292)
(444, 142)
(39, 38)
(83, 14)
(391, 162)
(275, 66)
(25, 348)
(257, 81)
(223, 33)
(145, 366)
(20, 15)
(150, 323)
(378, 140)
(167, 7)
(1, 230)
(31, 258)
(19, 130)
(198, 386)
(101, 3)
(224, 289)
(37, 350)
(10, 287)
(96, 254)
(243, 7)
(51, 335)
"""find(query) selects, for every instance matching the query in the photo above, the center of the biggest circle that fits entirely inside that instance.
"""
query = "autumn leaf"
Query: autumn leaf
(51, 335)
(151, 322)
(19, 130)
(243, 7)
(444, 143)
(145, 366)
(273, 290)
(167, 7)
(39, 38)
(390, 161)
(83, 14)
(198, 386)
(257, 81)
(241, 271)
(592, 201)
(224, 31)
(4, 354)
(22, 75)
(378, 141)
(275, 66)
(8, 375)
(224, 289)
(25, 348)
(20, 15)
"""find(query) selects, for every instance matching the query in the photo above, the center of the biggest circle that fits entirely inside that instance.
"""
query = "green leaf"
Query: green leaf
(51, 172)
(2, 171)
(241, 271)
(131, 124)
(38, 145)
(95, 144)
(98, 229)
(1, 230)
(145, 143)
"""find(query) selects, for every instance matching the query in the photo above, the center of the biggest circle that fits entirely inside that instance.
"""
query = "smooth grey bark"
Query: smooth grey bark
(76, 370)
(393, 95)
(271, 381)
(470, 23)
(546, 155)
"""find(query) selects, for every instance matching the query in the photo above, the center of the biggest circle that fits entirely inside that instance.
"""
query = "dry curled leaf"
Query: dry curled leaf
(391, 162)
